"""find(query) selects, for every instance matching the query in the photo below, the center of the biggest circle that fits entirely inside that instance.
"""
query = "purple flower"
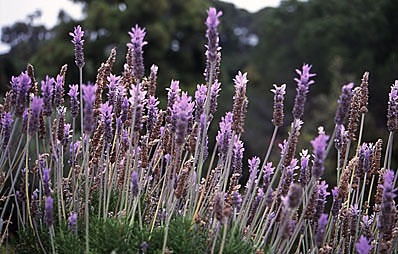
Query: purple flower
(74, 101)
(46, 181)
(78, 42)
(182, 113)
(386, 217)
(279, 93)
(212, 46)
(25, 118)
(240, 102)
(344, 104)
(49, 211)
(336, 201)
(341, 137)
(363, 246)
(22, 86)
(254, 163)
(137, 35)
(6, 121)
(47, 88)
(89, 99)
(106, 120)
(224, 134)
(268, 172)
(294, 196)
(144, 246)
(392, 111)
(303, 85)
(113, 85)
(35, 109)
(320, 232)
(172, 95)
(364, 160)
(67, 131)
(237, 156)
(125, 109)
(319, 145)
(153, 112)
(321, 200)
(236, 200)
(59, 91)
(200, 98)
(72, 221)
(137, 101)
(134, 183)
(304, 173)
(214, 92)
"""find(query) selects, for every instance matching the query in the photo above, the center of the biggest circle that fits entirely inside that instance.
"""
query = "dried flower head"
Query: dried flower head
(392, 113)
(278, 115)
(343, 104)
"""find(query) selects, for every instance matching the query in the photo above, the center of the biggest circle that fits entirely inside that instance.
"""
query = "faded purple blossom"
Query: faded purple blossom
(153, 111)
(214, 92)
(386, 217)
(35, 109)
(319, 145)
(341, 137)
(72, 221)
(144, 246)
(392, 111)
(236, 200)
(25, 118)
(320, 232)
(49, 211)
(268, 171)
(365, 159)
(137, 101)
(303, 85)
(254, 164)
(363, 246)
(106, 120)
(240, 102)
(137, 35)
(200, 98)
(59, 91)
(47, 90)
(336, 202)
(113, 91)
(344, 102)
(279, 92)
(5, 130)
(321, 200)
(77, 35)
(294, 196)
(66, 138)
(46, 181)
(224, 134)
(74, 101)
(134, 183)
(125, 109)
(182, 113)
(237, 156)
(89, 99)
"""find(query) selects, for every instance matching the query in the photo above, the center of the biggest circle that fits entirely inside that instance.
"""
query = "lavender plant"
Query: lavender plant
(140, 179)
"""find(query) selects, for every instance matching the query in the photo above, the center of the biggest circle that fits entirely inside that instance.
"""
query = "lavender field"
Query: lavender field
(102, 168)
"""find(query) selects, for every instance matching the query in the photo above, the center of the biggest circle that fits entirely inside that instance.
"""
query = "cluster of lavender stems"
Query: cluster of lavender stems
(131, 150)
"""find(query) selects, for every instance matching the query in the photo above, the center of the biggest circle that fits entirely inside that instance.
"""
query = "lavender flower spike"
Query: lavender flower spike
(72, 221)
(279, 93)
(74, 101)
(213, 48)
(320, 233)
(386, 218)
(49, 211)
(47, 90)
(224, 134)
(363, 246)
(344, 102)
(78, 42)
(59, 91)
(35, 108)
(106, 119)
(22, 86)
(134, 183)
(89, 99)
(6, 121)
(137, 35)
(182, 113)
(319, 145)
(392, 113)
(303, 85)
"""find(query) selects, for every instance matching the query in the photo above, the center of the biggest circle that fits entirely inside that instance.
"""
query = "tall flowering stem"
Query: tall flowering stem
(137, 35)
(303, 85)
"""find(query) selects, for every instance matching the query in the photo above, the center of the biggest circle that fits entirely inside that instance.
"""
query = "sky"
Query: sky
(17, 10)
